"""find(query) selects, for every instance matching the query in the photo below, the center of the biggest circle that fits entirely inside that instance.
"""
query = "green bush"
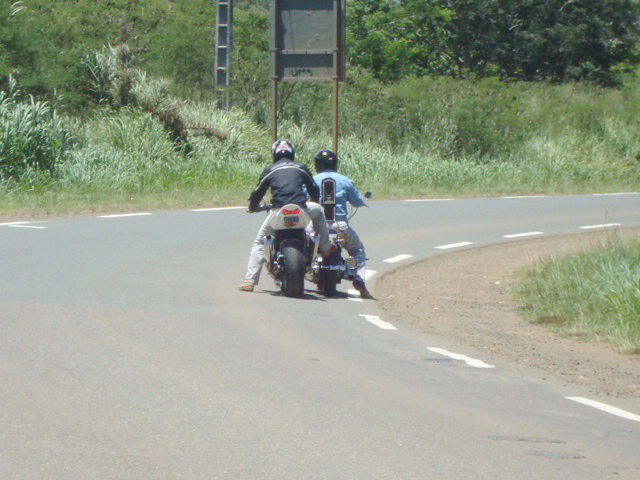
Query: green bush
(33, 137)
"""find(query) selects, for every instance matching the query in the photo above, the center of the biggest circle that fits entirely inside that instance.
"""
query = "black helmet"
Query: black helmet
(326, 160)
(283, 149)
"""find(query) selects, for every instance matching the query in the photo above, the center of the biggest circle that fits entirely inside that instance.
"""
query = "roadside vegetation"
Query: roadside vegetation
(593, 295)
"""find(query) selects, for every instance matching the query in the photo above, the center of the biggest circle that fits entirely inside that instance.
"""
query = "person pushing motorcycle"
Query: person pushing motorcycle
(286, 178)
(326, 163)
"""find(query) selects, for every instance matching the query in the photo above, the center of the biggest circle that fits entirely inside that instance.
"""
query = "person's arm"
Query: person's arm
(310, 183)
(258, 193)
(353, 195)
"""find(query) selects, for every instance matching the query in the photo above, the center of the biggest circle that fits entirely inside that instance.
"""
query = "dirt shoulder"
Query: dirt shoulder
(464, 296)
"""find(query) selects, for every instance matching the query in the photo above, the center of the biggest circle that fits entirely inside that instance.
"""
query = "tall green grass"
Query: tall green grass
(593, 295)
(34, 139)
(421, 137)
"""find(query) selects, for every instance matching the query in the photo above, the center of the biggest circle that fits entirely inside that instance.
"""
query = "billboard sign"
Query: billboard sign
(307, 40)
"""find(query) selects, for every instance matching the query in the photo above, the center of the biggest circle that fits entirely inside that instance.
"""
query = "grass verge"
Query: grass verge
(594, 295)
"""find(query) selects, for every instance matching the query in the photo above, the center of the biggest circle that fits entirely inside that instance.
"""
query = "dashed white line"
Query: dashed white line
(430, 200)
(10, 224)
(215, 209)
(606, 408)
(398, 258)
(454, 245)
(604, 225)
(378, 322)
(121, 215)
(523, 196)
(354, 295)
(24, 224)
(472, 362)
(612, 194)
(526, 234)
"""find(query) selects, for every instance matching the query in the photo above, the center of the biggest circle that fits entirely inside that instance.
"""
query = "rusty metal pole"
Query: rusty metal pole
(274, 110)
(335, 116)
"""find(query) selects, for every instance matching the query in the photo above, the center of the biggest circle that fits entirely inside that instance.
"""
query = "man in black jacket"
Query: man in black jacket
(286, 178)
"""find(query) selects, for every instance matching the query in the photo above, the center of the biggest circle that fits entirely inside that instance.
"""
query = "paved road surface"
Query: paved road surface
(126, 352)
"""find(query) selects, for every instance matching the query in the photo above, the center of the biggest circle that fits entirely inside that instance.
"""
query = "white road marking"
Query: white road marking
(398, 258)
(121, 215)
(368, 274)
(216, 209)
(25, 226)
(378, 322)
(454, 245)
(604, 225)
(9, 224)
(472, 362)
(606, 408)
(523, 196)
(518, 235)
(610, 194)
(354, 295)
(430, 200)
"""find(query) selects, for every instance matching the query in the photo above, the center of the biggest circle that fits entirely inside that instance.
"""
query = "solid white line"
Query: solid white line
(518, 235)
(397, 258)
(215, 209)
(454, 245)
(121, 215)
(472, 362)
(430, 200)
(606, 408)
(25, 226)
(378, 323)
(605, 225)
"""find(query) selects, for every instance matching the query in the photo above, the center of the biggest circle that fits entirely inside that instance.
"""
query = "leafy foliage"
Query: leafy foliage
(557, 40)
(33, 138)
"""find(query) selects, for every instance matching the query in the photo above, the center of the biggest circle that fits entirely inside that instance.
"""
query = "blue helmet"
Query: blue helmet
(326, 160)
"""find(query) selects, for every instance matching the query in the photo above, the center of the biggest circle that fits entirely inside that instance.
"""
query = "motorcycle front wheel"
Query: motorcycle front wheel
(293, 274)
(328, 282)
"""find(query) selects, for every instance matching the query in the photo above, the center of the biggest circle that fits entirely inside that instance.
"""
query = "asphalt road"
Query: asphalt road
(126, 352)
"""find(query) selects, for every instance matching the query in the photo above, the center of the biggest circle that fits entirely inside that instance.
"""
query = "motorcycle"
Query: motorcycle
(292, 251)
(328, 272)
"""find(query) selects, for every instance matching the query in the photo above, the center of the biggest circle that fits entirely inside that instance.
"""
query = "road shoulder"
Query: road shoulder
(464, 296)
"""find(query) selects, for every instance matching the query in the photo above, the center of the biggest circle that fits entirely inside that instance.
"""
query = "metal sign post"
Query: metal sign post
(224, 44)
(307, 45)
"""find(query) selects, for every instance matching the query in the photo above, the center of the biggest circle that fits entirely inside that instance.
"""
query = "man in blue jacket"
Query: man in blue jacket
(326, 163)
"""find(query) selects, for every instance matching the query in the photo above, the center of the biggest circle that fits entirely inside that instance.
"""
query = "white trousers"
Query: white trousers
(257, 258)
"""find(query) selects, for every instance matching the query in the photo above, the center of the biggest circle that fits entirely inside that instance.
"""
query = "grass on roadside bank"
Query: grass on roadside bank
(425, 137)
(594, 295)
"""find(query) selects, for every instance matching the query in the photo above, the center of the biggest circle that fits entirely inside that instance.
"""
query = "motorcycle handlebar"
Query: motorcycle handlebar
(260, 208)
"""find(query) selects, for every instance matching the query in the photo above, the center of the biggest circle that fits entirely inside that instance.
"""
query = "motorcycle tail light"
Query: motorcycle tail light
(295, 211)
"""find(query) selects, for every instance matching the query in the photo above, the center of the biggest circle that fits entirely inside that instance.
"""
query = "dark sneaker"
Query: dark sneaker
(364, 293)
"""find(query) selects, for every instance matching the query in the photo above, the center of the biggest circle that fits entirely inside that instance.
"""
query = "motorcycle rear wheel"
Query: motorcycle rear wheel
(293, 274)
